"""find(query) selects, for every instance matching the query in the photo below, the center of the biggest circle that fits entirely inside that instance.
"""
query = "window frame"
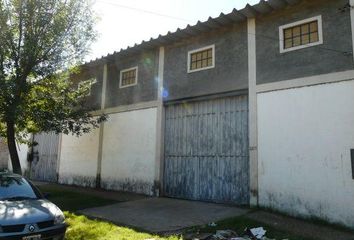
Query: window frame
(127, 70)
(189, 58)
(298, 23)
(91, 81)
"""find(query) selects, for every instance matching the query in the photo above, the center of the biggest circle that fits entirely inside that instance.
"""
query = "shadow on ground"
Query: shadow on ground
(121, 215)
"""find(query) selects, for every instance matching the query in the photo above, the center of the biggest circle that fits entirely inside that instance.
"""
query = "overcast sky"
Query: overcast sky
(126, 22)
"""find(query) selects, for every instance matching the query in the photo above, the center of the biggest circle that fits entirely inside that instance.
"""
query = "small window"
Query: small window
(302, 34)
(128, 77)
(86, 86)
(201, 59)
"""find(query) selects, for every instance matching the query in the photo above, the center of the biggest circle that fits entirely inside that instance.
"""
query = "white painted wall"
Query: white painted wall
(22, 150)
(78, 159)
(129, 151)
(304, 141)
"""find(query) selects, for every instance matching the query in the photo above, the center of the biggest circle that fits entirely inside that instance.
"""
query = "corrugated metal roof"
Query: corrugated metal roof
(263, 7)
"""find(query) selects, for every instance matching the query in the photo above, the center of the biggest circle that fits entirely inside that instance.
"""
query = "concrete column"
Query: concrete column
(59, 155)
(160, 126)
(104, 86)
(351, 2)
(100, 140)
(252, 98)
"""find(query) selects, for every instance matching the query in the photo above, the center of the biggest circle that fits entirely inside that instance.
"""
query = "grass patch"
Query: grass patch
(82, 228)
(238, 224)
(68, 200)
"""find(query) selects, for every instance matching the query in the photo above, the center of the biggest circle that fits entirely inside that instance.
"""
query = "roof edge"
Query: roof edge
(235, 16)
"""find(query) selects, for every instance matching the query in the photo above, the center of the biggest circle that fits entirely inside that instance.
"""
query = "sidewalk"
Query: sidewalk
(163, 215)
(160, 215)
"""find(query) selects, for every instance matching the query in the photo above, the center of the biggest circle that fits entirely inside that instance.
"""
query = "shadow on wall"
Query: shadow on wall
(4, 154)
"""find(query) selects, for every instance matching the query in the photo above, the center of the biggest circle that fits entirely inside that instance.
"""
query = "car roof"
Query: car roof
(9, 174)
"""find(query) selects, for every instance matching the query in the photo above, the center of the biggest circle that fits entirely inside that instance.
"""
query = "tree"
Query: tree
(39, 42)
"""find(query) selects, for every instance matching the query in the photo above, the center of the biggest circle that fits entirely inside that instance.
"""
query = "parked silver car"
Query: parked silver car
(25, 214)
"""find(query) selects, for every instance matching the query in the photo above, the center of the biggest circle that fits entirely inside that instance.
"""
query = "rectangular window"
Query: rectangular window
(128, 77)
(301, 34)
(201, 59)
(86, 86)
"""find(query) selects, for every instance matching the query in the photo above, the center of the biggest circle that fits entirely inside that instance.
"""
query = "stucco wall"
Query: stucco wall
(146, 87)
(274, 66)
(304, 138)
(129, 148)
(78, 159)
(230, 72)
(5, 160)
(22, 151)
(87, 72)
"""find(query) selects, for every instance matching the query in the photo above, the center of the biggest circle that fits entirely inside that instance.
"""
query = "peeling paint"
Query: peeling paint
(299, 207)
(305, 136)
(129, 151)
(78, 159)
(83, 181)
(206, 150)
(128, 185)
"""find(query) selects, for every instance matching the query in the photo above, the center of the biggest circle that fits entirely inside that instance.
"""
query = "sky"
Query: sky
(123, 23)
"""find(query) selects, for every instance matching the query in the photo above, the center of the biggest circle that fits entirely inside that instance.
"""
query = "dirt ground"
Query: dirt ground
(300, 227)
(165, 214)
(112, 195)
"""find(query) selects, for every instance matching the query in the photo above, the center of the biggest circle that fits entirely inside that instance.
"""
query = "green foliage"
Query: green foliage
(40, 42)
(59, 107)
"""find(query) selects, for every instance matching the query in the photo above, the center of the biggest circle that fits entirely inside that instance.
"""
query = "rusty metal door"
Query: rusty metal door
(206, 150)
(45, 157)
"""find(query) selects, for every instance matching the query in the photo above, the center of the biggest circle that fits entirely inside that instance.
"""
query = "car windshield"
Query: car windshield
(15, 188)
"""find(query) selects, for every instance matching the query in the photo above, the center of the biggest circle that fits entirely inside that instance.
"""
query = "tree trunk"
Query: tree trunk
(11, 143)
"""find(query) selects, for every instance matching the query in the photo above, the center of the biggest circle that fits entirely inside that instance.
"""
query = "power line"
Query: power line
(145, 11)
(341, 10)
